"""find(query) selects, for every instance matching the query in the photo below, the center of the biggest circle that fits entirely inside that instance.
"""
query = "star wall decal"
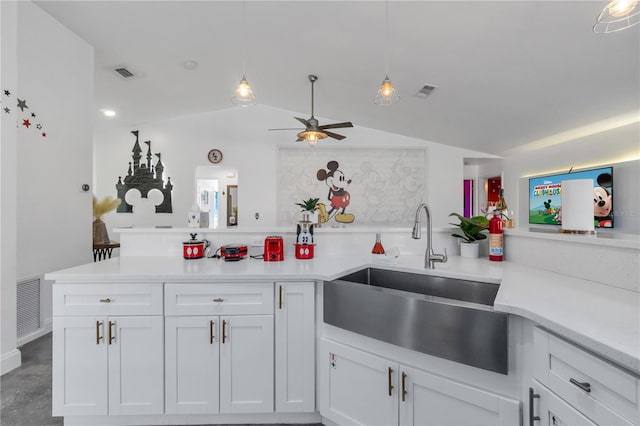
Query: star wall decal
(44, 134)
(26, 123)
(39, 126)
(7, 110)
(33, 114)
(22, 104)
(7, 93)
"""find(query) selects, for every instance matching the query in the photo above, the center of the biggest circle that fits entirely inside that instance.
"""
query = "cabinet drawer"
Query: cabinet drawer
(218, 299)
(601, 391)
(107, 299)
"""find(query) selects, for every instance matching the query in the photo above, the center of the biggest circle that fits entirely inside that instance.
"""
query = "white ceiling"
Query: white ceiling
(508, 73)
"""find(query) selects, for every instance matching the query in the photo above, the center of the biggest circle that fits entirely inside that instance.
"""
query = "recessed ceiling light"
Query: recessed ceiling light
(108, 112)
(190, 65)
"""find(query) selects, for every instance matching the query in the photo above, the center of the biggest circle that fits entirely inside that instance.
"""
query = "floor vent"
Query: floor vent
(28, 307)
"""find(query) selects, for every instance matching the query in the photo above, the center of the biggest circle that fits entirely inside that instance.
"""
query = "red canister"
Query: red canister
(194, 249)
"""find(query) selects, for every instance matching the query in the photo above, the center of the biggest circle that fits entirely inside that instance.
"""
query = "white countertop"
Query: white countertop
(602, 318)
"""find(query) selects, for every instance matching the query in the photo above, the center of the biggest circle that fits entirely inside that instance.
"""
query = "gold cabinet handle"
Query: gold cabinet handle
(98, 336)
(389, 374)
(111, 334)
(280, 297)
(404, 383)
(107, 300)
(211, 337)
(218, 299)
(224, 331)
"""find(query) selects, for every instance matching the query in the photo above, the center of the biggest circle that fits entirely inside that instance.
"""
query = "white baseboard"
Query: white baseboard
(10, 361)
(45, 329)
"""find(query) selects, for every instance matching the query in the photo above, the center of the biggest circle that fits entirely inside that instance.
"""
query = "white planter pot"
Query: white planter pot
(470, 250)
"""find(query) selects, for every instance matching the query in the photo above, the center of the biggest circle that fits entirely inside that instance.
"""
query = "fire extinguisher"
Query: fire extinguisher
(496, 244)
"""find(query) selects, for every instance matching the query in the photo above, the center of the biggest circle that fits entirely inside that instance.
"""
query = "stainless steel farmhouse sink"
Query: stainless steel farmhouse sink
(445, 317)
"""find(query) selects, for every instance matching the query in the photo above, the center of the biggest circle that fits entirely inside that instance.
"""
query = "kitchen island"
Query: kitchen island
(601, 320)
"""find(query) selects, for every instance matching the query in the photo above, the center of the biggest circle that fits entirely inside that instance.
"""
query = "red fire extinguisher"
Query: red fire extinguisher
(496, 245)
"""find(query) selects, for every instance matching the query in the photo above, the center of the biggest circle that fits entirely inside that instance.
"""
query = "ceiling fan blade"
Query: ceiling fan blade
(303, 121)
(333, 135)
(289, 128)
(336, 125)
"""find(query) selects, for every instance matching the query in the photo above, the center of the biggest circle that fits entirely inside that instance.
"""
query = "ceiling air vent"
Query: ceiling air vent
(425, 91)
(124, 72)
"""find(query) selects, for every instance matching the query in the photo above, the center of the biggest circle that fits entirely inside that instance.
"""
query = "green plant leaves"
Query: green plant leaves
(472, 227)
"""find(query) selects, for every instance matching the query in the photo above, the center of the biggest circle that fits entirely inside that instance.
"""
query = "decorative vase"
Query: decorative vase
(100, 234)
(470, 250)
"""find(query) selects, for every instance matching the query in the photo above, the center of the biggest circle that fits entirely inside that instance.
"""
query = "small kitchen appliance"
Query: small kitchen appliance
(304, 240)
(273, 249)
(233, 251)
(194, 249)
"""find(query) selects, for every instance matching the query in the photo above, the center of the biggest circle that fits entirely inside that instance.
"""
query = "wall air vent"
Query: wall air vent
(125, 73)
(425, 90)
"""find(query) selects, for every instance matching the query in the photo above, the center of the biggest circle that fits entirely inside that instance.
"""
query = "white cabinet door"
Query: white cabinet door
(192, 365)
(295, 347)
(361, 388)
(136, 365)
(428, 399)
(79, 366)
(246, 364)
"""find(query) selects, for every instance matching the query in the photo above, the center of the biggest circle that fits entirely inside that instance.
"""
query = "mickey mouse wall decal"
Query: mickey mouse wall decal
(338, 196)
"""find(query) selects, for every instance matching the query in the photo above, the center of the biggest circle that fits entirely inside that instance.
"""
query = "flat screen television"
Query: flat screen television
(545, 196)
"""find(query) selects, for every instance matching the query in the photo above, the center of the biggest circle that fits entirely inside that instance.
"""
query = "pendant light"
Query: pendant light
(243, 94)
(618, 15)
(386, 95)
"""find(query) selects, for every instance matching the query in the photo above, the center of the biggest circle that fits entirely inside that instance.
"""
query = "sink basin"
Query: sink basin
(428, 285)
(446, 317)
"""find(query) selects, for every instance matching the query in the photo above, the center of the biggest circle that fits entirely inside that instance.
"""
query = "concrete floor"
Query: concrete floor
(25, 392)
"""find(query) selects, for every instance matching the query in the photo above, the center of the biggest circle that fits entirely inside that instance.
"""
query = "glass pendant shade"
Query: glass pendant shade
(243, 95)
(618, 15)
(386, 94)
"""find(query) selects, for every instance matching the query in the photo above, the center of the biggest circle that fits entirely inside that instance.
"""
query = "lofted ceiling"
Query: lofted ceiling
(508, 73)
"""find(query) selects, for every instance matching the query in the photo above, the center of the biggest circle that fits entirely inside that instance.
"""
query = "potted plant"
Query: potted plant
(473, 230)
(309, 210)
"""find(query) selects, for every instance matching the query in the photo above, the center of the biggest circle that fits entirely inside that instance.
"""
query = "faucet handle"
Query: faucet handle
(440, 258)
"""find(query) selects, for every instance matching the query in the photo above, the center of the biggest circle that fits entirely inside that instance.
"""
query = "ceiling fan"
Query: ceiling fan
(314, 132)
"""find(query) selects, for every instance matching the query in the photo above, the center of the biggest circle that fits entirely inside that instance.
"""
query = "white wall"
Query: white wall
(54, 70)
(10, 356)
(241, 134)
(619, 147)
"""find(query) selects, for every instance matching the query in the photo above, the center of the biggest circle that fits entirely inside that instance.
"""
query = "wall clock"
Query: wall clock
(215, 156)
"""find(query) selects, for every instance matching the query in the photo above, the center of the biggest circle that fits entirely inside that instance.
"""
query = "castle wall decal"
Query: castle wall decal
(144, 177)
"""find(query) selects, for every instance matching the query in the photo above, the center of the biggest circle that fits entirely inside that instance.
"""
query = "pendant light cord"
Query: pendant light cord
(386, 36)
(244, 39)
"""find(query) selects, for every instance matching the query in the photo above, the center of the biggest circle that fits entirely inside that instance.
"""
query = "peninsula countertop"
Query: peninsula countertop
(602, 318)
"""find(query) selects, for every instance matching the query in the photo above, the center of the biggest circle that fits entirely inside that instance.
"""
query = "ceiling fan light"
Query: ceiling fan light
(386, 95)
(618, 15)
(243, 94)
(312, 136)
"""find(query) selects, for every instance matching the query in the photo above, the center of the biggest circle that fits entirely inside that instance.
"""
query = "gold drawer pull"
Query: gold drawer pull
(107, 300)
(389, 375)
(224, 331)
(218, 299)
(98, 336)
(111, 334)
(211, 336)
(280, 297)
(404, 385)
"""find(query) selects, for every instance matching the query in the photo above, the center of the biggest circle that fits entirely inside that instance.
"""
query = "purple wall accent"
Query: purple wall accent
(468, 197)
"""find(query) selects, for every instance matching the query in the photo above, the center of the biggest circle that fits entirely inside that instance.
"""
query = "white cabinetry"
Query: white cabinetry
(219, 363)
(111, 363)
(362, 388)
(295, 347)
(572, 386)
